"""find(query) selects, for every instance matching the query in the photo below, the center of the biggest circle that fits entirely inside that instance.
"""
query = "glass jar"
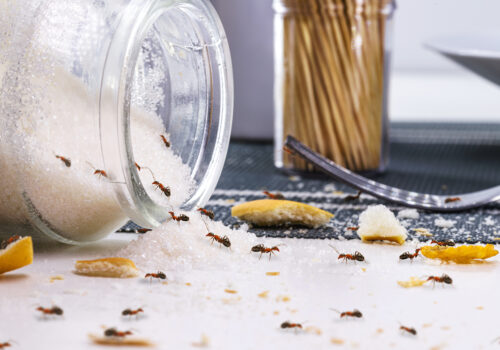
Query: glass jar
(110, 110)
(331, 80)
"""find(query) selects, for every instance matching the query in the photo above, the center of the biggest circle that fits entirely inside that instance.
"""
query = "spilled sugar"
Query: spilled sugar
(408, 214)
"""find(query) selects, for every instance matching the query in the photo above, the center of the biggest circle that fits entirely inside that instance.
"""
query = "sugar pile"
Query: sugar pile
(442, 222)
(72, 201)
(408, 214)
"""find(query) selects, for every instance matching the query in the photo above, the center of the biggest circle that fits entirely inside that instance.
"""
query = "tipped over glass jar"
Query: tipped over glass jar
(110, 110)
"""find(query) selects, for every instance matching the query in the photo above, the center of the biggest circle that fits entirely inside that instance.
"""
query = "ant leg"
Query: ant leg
(260, 256)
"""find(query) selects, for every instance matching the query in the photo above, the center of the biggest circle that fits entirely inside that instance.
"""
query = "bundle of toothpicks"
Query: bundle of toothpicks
(332, 79)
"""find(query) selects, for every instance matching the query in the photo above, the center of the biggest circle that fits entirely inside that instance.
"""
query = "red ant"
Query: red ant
(448, 243)
(167, 144)
(98, 172)
(357, 256)
(452, 199)
(408, 329)
(112, 332)
(7, 242)
(5, 345)
(354, 313)
(181, 217)
(276, 195)
(130, 312)
(206, 212)
(260, 248)
(408, 255)
(159, 275)
(288, 150)
(164, 189)
(54, 310)
(137, 166)
(288, 324)
(353, 228)
(222, 240)
(65, 160)
(444, 278)
(352, 197)
(144, 230)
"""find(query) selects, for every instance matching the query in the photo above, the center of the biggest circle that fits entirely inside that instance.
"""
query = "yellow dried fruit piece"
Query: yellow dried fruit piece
(276, 212)
(461, 255)
(16, 255)
(107, 267)
(114, 341)
(412, 282)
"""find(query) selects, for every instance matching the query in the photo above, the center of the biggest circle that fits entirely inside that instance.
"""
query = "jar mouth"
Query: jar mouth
(169, 60)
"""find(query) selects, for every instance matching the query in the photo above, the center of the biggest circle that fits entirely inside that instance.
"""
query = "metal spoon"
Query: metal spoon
(411, 199)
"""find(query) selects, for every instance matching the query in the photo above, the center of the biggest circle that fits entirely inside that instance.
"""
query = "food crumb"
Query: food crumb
(480, 308)
(313, 330)
(380, 330)
(337, 341)
(427, 325)
(230, 201)
(408, 214)
(230, 291)
(263, 294)
(230, 301)
(423, 232)
(363, 269)
(203, 343)
(188, 284)
(283, 298)
(272, 273)
(441, 222)
(276, 312)
(56, 278)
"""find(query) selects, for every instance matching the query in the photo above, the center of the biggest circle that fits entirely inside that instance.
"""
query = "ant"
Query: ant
(7, 242)
(276, 195)
(181, 217)
(357, 256)
(137, 166)
(65, 160)
(164, 189)
(354, 313)
(130, 312)
(5, 345)
(144, 230)
(452, 199)
(159, 275)
(448, 243)
(288, 324)
(206, 212)
(444, 278)
(353, 228)
(167, 144)
(260, 248)
(408, 255)
(222, 240)
(54, 310)
(352, 197)
(408, 329)
(288, 150)
(112, 332)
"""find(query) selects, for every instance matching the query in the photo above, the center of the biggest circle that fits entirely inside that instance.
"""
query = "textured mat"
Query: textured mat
(433, 158)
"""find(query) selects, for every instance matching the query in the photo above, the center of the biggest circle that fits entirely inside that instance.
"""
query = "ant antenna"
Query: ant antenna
(335, 310)
(334, 248)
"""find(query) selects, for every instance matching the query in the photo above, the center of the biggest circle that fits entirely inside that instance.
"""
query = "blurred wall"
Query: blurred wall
(424, 86)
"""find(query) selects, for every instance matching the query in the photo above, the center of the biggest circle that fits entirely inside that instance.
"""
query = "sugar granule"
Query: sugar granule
(408, 214)
(441, 222)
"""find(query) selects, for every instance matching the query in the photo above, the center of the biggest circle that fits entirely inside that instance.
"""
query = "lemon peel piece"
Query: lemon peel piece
(107, 267)
(461, 255)
(412, 282)
(276, 212)
(16, 255)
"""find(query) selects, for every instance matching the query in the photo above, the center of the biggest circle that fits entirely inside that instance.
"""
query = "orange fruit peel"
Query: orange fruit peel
(16, 255)
(461, 255)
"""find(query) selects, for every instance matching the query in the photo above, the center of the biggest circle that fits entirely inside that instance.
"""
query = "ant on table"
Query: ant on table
(354, 313)
(352, 197)
(53, 311)
(276, 195)
(408, 255)
(131, 312)
(113, 332)
(181, 217)
(6, 344)
(448, 243)
(288, 324)
(221, 240)
(409, 330)
(444, 278)
(9, 241)
(158, 275)
(260, 248)
(357, 256)
(65, 160)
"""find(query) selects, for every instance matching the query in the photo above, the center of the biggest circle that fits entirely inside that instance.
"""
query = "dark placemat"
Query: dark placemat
(432, 158)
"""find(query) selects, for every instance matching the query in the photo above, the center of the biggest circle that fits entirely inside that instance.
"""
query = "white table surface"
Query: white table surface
(462, 316)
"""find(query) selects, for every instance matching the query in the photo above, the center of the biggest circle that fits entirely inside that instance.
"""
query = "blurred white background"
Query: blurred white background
(424, 86)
